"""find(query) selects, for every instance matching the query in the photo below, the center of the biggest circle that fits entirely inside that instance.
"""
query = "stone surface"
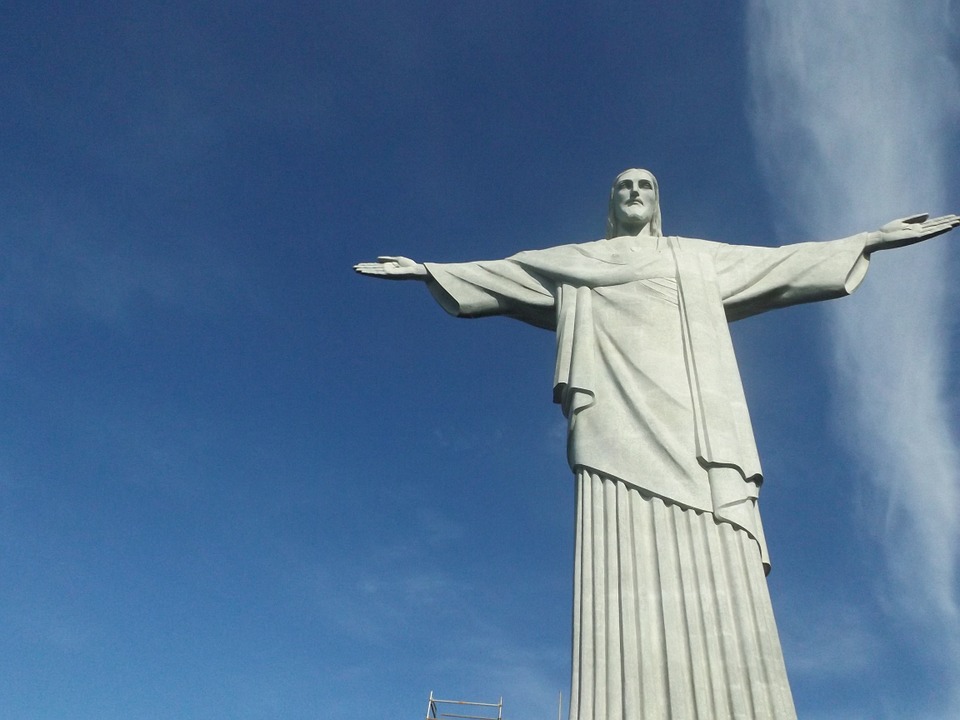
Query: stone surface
(672, 617)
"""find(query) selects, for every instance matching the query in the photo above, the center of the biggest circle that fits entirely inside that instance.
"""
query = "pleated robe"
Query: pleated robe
(672, 618)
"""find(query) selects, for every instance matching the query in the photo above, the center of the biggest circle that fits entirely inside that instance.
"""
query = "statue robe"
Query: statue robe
(658, 423)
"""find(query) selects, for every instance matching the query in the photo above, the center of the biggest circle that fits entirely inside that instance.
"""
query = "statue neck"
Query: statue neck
(627, 231)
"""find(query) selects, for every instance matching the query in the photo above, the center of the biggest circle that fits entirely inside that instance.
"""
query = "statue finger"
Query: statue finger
(945, 222)
(929, 232)
(951, 220)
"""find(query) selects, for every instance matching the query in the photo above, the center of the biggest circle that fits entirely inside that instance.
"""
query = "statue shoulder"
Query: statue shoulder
(696, 244)
(558, 252)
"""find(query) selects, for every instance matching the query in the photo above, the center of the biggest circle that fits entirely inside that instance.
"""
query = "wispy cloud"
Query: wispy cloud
(835, 641)
(854, 103)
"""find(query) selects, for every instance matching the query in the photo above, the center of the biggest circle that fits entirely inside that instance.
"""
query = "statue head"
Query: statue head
(634, 207)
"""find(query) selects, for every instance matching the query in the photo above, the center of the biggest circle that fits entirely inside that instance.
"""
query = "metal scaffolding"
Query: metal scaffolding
(439, 709)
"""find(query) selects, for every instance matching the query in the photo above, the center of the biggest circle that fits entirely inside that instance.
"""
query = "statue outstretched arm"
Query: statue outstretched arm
(475, 289)
(756, 279)
(909, 230)
(393, 267)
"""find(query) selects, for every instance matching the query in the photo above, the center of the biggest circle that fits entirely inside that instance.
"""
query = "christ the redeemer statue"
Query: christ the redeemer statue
(671, 613)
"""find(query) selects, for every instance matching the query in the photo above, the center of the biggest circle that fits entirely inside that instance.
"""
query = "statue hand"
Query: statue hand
(393, 268)
(909, 230)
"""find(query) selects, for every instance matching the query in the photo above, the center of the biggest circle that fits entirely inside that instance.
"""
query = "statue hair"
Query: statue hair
(656, 222)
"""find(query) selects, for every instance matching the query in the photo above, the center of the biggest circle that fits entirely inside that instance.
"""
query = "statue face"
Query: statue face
(634, 201)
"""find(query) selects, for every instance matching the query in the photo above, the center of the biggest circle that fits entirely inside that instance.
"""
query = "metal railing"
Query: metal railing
(438, 709)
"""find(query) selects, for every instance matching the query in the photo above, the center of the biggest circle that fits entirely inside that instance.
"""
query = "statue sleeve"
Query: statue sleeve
(495, 287)
(756, 279)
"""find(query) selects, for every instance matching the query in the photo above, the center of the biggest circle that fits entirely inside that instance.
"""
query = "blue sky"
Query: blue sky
(237, 480)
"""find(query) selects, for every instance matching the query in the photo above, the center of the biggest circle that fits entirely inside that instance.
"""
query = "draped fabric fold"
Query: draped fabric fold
(672, 617)
(712, 368)
(576, 361)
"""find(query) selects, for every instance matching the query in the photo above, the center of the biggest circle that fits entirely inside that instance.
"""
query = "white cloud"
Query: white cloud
(853, 106)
